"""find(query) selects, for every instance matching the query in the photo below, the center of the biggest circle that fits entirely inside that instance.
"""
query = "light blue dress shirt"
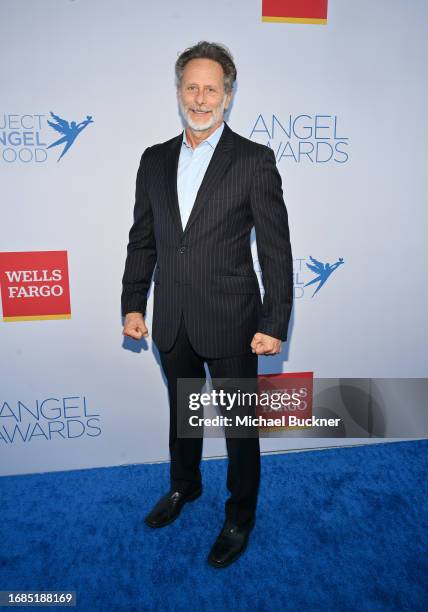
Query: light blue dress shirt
(192, 165)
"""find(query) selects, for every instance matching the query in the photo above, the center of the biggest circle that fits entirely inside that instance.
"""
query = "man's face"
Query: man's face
(201, 94)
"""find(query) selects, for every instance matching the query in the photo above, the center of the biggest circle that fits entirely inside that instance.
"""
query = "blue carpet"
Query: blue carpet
(338, 529)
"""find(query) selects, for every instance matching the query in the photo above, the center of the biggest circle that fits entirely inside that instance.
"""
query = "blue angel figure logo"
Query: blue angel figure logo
(70, 131)
(323, 271)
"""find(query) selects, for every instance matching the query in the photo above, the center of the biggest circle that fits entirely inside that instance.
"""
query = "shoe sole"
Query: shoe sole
(191, 498)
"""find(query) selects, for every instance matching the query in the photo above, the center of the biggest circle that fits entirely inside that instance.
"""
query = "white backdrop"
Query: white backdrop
(359, 80)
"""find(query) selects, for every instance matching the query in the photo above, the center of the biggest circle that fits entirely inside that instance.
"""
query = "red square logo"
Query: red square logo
(35, 285)
(283, 395)
(295, 11)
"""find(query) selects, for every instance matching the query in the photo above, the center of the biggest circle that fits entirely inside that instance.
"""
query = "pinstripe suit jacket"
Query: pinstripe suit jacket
(206, 271)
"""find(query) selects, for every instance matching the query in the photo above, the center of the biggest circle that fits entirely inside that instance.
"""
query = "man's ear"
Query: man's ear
(227, 101)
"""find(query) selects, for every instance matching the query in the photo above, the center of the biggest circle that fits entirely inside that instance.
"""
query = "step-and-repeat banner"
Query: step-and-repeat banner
(336, 89)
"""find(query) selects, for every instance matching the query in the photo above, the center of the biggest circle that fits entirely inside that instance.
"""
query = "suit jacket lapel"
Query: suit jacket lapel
(217, 167)
(171, 180)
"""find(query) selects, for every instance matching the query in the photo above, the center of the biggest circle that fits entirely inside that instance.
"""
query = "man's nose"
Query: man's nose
(200, 97)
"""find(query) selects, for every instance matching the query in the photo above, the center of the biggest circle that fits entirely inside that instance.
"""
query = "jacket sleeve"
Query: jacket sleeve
(141, 249)
(273, 247)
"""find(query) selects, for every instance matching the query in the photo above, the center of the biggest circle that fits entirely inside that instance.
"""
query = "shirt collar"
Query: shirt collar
(212, 140)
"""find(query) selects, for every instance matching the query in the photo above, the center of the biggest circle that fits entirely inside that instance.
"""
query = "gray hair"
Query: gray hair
(213, 51)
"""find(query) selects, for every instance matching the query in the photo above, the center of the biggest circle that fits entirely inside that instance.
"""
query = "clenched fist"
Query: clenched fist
(262, 344)
(134, 326)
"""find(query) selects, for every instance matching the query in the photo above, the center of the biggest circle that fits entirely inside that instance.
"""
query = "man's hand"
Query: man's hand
(134, 326)
(262, 344)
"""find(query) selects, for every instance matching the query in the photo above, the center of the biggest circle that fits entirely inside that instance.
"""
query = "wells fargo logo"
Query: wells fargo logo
(295, 11)
(35, 285)
(290, 394)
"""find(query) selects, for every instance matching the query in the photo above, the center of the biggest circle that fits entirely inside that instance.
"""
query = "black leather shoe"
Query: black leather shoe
(169, 507)
(230, 544)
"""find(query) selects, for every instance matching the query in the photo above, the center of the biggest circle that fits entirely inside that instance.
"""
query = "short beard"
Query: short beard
(217, 114)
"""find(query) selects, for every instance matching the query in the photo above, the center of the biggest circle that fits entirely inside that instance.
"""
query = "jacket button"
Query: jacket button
(182, 249)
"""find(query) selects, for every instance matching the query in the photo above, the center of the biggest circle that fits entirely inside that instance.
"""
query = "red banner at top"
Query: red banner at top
(295, 11)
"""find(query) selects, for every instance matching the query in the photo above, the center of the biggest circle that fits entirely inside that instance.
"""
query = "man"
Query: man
(197, 198)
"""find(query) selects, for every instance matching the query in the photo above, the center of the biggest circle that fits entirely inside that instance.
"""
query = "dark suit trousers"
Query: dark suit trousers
(243, 474)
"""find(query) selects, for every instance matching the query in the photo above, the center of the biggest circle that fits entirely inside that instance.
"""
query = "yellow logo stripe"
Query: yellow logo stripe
(37, 318)
(294, 20)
